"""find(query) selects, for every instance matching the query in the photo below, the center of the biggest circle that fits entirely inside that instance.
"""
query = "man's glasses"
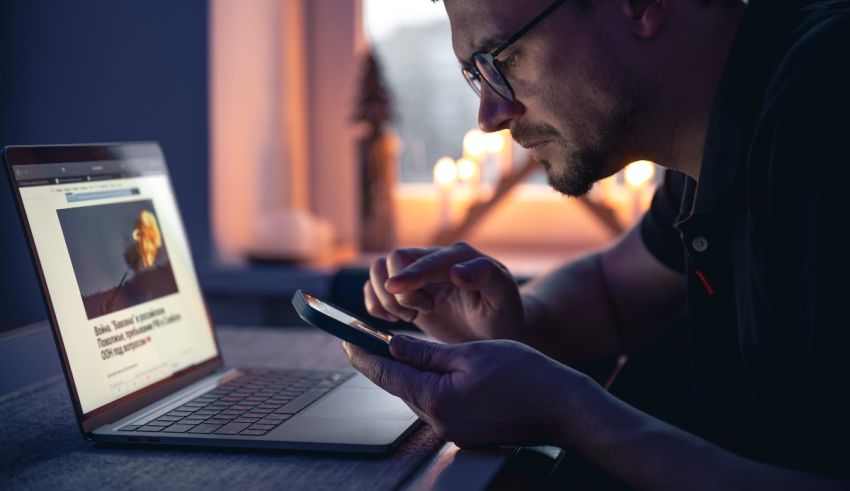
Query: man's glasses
(483, 65)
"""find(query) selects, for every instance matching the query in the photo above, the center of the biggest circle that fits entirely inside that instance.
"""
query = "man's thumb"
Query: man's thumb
(424, 355)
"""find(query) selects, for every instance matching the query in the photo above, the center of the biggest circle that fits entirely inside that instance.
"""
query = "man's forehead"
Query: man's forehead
(481, 25)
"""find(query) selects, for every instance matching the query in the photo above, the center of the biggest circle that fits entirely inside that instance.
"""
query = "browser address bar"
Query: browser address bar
(113, 193)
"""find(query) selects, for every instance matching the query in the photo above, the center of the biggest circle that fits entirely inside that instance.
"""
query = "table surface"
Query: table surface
(41, 447)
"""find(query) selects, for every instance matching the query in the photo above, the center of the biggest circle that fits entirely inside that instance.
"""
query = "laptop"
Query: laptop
(137, 345)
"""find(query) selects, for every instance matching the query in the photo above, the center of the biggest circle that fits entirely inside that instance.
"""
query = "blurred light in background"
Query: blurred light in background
(445, 172)
(467, 170)
(639, 173)
(495, 142)
(475, 143)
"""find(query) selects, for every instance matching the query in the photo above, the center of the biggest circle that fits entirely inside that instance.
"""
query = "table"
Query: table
(41, 447)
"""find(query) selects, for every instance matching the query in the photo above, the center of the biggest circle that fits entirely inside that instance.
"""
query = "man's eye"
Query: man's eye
(508, 63)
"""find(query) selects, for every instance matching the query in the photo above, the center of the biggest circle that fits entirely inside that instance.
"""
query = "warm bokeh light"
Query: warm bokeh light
(475, 143)
(639, 173)
(445, 172)
(495, 142)
(467, 170)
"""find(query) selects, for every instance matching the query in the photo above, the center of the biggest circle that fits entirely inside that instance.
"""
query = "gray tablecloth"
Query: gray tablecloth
(41, 447)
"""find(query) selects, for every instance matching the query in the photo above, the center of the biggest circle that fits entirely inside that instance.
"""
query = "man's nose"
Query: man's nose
(494, 112)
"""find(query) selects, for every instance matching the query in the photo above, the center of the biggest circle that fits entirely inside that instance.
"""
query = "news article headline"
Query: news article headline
(121, 336)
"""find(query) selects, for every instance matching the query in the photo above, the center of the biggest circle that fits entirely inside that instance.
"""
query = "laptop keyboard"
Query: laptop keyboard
(252, 404)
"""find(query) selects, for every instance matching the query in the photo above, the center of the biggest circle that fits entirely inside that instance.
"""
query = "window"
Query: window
(432, 104)
(434, 109)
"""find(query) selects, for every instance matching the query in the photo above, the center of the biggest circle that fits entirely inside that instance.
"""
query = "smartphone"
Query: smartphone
(342, 324)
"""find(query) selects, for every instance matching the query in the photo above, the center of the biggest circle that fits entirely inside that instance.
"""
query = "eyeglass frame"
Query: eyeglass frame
(490, 57)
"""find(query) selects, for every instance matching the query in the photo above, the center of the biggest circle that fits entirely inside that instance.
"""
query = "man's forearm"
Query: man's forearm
(605, 304)
(567, 315)
(647, 453)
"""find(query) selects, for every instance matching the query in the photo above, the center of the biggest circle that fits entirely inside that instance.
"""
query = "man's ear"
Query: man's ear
(647, 16)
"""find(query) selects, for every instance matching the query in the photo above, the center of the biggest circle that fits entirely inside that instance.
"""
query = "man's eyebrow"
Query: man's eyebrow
(484, 46)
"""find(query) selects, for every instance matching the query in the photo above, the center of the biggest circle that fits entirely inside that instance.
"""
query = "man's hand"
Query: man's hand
(486, 392)
(454, 293)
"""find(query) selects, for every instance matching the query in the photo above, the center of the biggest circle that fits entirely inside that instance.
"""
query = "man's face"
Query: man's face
(576, 105)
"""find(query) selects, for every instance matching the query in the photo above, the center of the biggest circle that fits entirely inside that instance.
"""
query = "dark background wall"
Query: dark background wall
(86, 71)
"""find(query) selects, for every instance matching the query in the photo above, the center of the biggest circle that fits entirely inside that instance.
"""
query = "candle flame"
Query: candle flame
(495, 142)
(639, 173)
(475, 143)
(467, 170)
(445, 171)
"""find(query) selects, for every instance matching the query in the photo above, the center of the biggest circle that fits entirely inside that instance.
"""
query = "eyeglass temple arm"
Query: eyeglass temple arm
(521, 32)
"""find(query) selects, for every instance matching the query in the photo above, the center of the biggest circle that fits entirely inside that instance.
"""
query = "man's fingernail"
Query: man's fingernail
(463, 272)
(397, 278)
(346, 348)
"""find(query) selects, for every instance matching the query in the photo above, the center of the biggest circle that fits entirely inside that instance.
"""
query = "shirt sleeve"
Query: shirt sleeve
(657, 226)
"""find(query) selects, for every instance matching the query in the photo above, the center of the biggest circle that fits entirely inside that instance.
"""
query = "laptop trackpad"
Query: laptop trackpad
(359, 403)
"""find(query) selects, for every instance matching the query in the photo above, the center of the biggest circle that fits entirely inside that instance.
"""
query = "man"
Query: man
(747, 106)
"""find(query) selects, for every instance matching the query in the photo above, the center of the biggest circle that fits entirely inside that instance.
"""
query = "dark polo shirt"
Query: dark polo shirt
(763, 241)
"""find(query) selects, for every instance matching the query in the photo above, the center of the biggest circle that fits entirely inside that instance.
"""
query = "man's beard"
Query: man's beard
(577, 178)
(597, 153)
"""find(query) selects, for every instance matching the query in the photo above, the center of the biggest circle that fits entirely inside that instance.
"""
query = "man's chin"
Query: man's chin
(574, 183)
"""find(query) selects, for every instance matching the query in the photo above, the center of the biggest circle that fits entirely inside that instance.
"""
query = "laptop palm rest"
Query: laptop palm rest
(358, 412)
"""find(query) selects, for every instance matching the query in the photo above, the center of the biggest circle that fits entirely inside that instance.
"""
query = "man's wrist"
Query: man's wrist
(625, 442)
(533, 314)
(578, 411)
(593, 422)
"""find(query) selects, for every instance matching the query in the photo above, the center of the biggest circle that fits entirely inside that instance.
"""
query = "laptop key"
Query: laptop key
(232, 428)
(128, 428)
(219, 421)
(162, 424)
(273, 422)
(150, 428)
(260, 426)
(204, 428)
(250, 432)
(178, 428)
(169, 418)
(301, 402)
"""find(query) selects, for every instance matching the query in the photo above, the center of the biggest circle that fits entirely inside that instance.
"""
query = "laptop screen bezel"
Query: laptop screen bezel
(49, 154)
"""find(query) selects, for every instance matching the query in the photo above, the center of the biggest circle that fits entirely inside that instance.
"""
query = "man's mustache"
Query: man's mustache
(529, 133)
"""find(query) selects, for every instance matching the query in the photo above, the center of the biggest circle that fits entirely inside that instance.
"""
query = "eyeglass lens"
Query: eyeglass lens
(486, 67)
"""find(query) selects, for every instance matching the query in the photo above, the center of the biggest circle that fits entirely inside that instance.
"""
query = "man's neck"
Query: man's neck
(696, 89)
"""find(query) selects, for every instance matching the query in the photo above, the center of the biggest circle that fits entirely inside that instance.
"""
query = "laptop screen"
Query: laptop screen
(117, 270)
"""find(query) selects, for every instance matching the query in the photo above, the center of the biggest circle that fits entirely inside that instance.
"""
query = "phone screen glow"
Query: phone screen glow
(346, 319)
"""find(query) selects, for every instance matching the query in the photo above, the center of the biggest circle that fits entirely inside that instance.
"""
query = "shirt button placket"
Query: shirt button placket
(700, 243)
